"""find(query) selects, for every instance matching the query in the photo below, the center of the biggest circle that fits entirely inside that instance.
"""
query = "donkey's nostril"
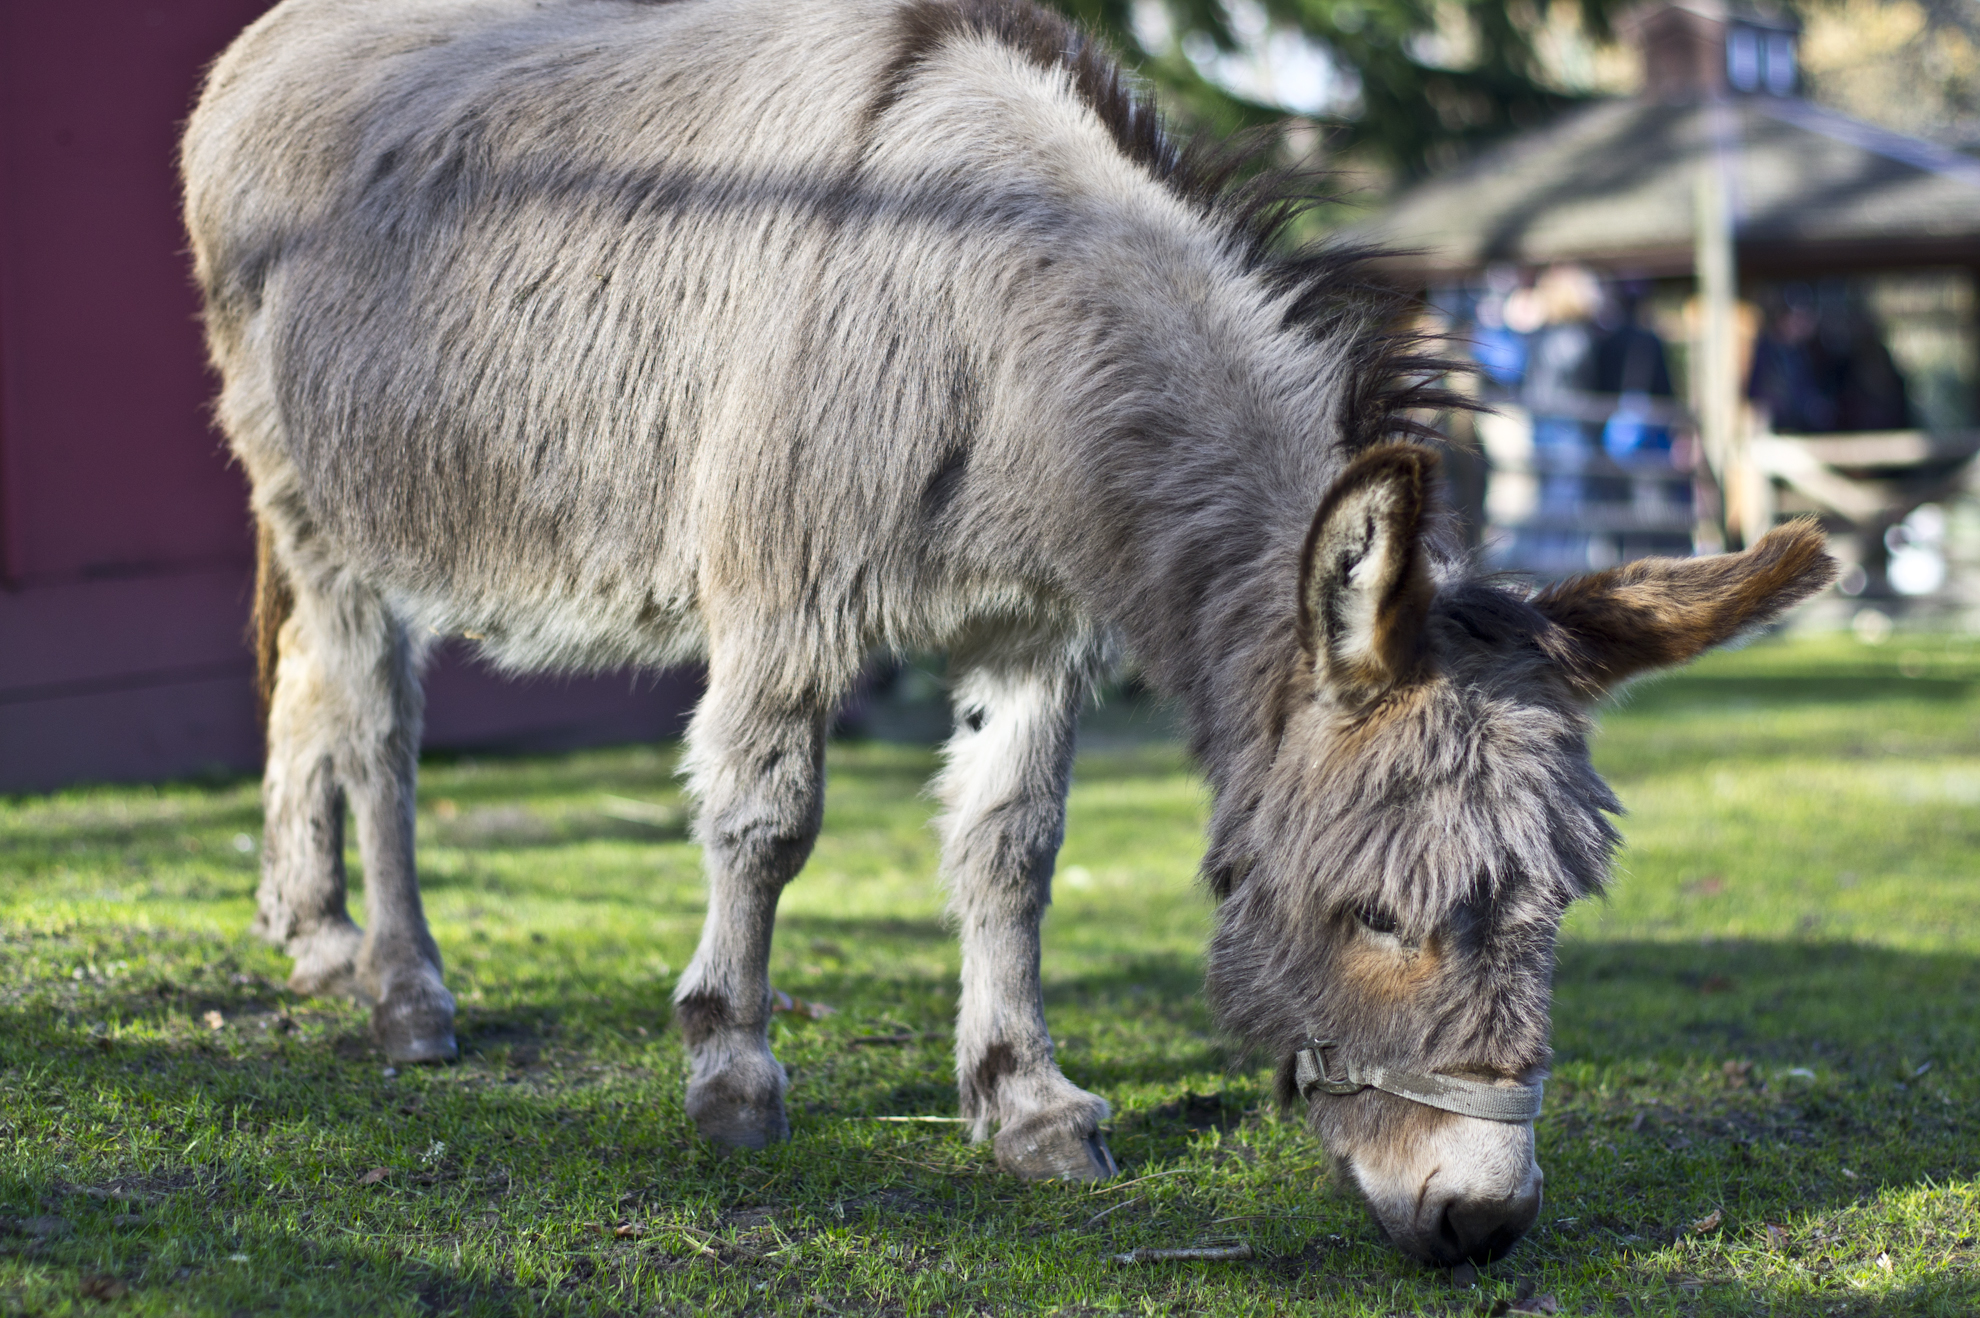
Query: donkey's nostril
(1450, 1245)
(1482, 1232)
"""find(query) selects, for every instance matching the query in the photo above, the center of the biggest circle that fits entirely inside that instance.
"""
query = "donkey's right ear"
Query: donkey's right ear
(1656, 612)
(1364, 590)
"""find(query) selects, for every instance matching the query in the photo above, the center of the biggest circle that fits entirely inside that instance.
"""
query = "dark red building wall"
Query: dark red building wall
(125, 551)
(109, 466)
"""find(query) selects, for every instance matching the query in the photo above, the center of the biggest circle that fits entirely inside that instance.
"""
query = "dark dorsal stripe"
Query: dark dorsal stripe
(1389, 376)
(1048, 41)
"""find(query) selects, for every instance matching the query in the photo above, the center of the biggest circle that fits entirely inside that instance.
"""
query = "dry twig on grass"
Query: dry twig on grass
(886, 1040)
(1194, 1254)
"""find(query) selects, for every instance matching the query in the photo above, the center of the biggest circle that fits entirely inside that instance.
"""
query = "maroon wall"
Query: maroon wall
(124, 547)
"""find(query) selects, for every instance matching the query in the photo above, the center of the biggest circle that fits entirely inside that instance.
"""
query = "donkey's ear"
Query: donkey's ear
(1656, 612)
(1364, 591)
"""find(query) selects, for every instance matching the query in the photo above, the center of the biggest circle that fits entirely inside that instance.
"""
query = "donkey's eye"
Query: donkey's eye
(1376, 920)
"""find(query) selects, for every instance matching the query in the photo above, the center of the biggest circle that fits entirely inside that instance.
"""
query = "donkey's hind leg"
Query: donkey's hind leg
(757, 766)
(1009, 764)
(301, 899)
(343, 726)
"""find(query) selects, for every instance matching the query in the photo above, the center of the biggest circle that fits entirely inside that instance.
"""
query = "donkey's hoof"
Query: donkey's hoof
(733, 1116)
(416, 1027)
(326, 961)
(1043, 1148)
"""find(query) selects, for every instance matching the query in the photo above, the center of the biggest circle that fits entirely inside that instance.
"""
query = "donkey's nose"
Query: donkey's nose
(1478, 1232)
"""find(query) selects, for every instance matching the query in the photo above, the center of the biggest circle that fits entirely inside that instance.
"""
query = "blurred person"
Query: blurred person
(1498, 346)
(1559, 373)
(1630, 363)
(1825, 371)
(1870, 391)
(1788, 378)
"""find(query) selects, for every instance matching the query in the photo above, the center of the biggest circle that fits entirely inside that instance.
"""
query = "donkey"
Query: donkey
(775, 332)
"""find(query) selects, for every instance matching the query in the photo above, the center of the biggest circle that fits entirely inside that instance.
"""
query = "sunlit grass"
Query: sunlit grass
(1771, 1018)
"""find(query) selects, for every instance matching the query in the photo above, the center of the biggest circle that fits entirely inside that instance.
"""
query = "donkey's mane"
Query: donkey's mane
(1328, 288)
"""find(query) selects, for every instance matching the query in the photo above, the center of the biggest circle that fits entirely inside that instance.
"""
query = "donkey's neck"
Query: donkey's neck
(1210, 438)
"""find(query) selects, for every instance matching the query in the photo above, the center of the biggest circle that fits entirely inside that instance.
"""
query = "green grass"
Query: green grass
(1770, 1025)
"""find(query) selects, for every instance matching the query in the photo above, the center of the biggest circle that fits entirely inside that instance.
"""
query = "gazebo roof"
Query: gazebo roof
(1613, 185)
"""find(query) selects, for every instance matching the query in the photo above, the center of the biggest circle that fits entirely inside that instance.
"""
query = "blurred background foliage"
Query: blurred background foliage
(1388, 90)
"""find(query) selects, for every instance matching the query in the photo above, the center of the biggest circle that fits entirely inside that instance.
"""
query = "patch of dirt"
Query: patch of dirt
(520, 1041)
(1199, 1112)
(478, 1295)
(355, 1046)
(122, 1189)
(1314, 1256)
(904, 1203)
(748, 1219)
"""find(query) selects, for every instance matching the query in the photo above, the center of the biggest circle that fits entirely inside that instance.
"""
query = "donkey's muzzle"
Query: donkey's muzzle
(1448, 1189)
(1477, 1231)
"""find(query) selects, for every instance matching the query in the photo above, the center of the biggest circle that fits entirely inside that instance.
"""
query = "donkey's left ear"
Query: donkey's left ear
(1364, 591)
(1656, 612)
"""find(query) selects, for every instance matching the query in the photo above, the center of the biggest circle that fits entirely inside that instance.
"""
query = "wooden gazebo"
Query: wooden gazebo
(1716, 179)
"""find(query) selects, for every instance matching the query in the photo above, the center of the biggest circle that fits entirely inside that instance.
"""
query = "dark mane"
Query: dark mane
(1393, 368)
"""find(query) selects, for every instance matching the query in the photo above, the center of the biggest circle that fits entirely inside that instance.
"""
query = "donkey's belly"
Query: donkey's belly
(614, 624)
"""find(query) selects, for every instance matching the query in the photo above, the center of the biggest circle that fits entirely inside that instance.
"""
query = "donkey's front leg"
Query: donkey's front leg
(1010, 762)
(759, 770)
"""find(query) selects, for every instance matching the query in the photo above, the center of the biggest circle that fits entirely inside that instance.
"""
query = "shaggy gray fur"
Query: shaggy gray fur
(776, 331)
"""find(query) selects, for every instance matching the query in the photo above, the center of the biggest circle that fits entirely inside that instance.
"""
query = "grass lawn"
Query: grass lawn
(1766, 1093)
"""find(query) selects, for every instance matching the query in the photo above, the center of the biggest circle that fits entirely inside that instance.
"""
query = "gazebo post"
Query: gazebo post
(1717, 373)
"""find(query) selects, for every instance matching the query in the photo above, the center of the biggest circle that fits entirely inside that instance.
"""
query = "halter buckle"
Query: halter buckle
(1329, 1075)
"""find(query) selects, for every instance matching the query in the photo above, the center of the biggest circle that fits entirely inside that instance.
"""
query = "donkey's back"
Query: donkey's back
(572, 325)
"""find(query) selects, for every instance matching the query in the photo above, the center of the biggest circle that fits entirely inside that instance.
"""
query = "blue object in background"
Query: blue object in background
(1500, 353)
(1630, 436)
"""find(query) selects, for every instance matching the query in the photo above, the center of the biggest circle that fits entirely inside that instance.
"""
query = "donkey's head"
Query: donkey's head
(1394, 863)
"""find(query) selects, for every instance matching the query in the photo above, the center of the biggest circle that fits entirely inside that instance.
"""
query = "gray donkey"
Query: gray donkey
(775, 332)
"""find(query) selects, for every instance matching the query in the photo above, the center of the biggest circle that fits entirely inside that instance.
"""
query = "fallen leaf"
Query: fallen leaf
(374, 1176)
(1709, 1222)
(1536, 1304)
(1884, 1262)
(104, 1288)
(215, 1021)
(628, 1231)
(1777, 1237)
